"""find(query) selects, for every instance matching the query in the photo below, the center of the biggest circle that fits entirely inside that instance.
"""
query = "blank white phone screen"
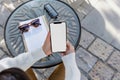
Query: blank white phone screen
(58, 36)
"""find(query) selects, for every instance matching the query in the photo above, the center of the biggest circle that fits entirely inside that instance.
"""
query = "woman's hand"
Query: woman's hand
(47, 46)
(70, 49)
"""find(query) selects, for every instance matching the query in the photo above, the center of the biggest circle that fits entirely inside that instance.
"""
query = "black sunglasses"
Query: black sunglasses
(25, 27)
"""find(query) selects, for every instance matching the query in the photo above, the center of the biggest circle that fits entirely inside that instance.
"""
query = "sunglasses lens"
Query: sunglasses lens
(35, 23)
(24, 28)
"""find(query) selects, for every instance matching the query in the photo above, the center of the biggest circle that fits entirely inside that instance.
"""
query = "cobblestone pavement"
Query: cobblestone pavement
(98, 53)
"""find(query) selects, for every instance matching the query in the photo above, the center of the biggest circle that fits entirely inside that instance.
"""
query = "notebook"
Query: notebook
(35, 37)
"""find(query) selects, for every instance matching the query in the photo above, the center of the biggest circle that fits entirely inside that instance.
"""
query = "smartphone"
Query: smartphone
(58, 36)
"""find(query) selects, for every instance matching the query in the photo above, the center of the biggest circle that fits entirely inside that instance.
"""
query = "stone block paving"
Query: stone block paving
(98, 55)
(101, 49)
(4, 13)
(103, 21)
(101, 72)
(117, 76)
(86, 38)
(114, 60)
(86, 59)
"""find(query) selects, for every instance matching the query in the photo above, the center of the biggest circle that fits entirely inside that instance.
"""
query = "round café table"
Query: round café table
(33, 9)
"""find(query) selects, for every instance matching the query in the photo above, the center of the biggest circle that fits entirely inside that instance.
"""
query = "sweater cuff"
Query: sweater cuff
(38, 54)
(69, 59)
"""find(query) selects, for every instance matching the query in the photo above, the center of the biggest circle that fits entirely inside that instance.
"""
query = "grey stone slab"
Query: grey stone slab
(117, 76)
(48, 72)
(85, 60)
(24, 0)
(86, 7)
(101, 49)
(114, 60)
(80, 14)
(92, 2)
(3, 46)
(4, 13)
(39, 75)
(40, 70)
(1, 1)
(15, 0)
(75, 3)
(10, 1)
(101, 72)
(9, 4)
(86, 38)
(104, 21)
(17, 3)
(1, 53)
(43, 74)
(4, 56)
(12, 4)
(1, 33)
(83, 77)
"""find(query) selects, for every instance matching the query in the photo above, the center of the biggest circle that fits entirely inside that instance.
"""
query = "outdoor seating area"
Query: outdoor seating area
(93, 30)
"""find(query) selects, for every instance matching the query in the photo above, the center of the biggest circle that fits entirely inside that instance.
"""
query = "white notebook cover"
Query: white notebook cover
(35, 37)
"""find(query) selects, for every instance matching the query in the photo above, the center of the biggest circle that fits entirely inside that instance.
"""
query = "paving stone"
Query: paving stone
(104, 21)
(39, 75)
(85, 60)
(3, 47)
(9, 4)
(1, 33)
(43, 74)
(92, 2)
(83, 77)
(80, 14)
(48, 72)
(114, 60)
(101, 72)
(15, 0)
(25, 0)
(16, 4)
(12, 4)
(4, 56)
(4, 13)
(117, 76)
(1, 53)
(86, 38)
(75, 3)
(41, 70)
(1, 1)
(85, 7)
(101, 49)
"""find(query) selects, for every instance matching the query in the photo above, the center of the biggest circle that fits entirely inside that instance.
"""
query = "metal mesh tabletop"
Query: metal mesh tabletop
(33, 9)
